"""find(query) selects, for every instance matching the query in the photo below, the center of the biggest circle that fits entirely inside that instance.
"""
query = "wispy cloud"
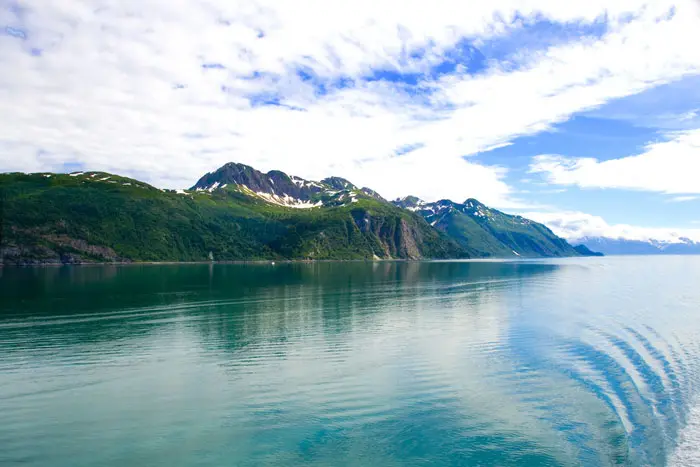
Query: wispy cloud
(670, 107)
(666, 167)
(116, 86)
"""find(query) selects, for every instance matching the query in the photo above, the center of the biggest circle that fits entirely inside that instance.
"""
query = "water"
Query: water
(568, 362)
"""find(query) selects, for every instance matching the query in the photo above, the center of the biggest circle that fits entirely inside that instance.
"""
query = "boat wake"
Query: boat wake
(687, 452)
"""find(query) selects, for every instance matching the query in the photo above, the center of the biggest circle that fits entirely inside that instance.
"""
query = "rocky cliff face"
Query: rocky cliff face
(46, 248)
(399, 237)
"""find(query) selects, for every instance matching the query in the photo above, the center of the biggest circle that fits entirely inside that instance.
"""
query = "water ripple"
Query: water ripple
(520, 363)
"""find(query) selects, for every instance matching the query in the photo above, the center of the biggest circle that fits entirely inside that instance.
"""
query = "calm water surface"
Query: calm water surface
(569, 362)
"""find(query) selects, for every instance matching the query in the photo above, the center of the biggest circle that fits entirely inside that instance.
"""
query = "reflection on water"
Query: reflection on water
(574, 362)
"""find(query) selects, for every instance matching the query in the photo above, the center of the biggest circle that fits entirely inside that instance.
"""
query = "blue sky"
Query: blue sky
(584, 115)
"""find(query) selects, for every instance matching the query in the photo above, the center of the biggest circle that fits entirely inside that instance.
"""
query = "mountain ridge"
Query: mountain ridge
(239, 213)
(622, 246)
(279, 188)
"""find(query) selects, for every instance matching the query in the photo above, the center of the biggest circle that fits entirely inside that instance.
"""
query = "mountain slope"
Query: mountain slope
(102, 217)
(486, 232)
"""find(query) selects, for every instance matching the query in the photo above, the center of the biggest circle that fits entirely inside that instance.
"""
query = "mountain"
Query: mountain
(585, 251)
(240, 213)
(483, 231)
(620, 246)
(236, 213)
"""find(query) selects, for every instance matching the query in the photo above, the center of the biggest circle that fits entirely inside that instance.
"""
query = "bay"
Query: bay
(581, 361)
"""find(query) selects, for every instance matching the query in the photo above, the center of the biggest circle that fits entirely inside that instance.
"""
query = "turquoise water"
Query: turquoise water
(569, 362)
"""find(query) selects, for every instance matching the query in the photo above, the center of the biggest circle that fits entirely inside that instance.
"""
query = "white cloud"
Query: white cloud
(576, 225)
(104, 93)
(690, 115)
(667, 167)
(682, 199)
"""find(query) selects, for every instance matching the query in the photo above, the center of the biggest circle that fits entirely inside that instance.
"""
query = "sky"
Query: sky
(582, 114)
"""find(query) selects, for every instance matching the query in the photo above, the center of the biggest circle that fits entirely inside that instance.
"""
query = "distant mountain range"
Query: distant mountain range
(619, 246)
(239, 213)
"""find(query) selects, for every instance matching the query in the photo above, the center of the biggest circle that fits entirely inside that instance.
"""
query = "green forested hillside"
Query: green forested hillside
(102, 217)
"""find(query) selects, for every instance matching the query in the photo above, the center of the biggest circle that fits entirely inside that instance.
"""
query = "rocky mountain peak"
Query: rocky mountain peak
(275, 186)
(372, 194)
(412, 203)
(473, 203)
(338, 183)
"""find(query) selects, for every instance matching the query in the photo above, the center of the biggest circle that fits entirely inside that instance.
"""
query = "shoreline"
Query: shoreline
(274, 262)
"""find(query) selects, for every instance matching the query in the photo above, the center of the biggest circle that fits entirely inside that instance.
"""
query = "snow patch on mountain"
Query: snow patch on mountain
(288, 201)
